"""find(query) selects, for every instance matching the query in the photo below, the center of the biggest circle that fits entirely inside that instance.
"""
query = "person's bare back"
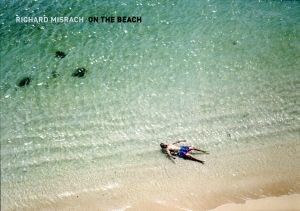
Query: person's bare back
(182, 151)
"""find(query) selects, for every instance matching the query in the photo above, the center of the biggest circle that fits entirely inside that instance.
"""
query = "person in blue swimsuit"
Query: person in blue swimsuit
(182, 151)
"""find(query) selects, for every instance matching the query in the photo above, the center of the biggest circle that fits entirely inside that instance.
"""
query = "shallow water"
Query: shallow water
(219, 74)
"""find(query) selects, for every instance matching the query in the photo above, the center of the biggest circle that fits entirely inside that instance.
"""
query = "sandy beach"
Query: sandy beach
(256, 186)
(282, 203)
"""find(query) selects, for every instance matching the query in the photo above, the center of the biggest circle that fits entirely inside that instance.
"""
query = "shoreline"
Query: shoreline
(283, 202)
(226, 180)
(289, 202)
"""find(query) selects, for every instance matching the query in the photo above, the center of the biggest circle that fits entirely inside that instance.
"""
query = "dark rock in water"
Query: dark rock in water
(60, 54)
(24, 81)
(79, 72)
(234, 42)
(54, 74)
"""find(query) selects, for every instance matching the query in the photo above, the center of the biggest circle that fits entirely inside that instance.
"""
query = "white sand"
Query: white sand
(284, 203)
(223, 183)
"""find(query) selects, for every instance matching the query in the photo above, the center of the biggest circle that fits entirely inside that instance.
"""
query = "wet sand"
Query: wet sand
(284, 203)
(262, 178)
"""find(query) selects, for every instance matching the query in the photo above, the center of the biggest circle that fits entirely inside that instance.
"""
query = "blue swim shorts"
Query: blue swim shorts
(183, 151)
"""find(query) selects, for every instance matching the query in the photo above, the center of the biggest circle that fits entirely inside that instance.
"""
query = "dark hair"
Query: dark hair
(162, 145)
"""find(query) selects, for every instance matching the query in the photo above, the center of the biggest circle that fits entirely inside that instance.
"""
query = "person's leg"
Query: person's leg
(200, 150)
(188, 156)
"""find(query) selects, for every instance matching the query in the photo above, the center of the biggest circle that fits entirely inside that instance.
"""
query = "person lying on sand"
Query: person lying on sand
(182, 151)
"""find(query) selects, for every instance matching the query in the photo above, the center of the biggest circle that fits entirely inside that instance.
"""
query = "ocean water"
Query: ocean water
(220, 74)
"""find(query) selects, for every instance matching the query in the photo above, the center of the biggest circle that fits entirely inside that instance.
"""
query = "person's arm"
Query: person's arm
(176, 142)
(170, 156)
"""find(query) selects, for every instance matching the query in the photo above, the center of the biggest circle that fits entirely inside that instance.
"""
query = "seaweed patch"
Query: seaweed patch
(24, 81)
(79, 72)
(60, 54)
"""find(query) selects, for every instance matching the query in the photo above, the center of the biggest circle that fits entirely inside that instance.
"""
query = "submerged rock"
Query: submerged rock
(79, 72)
(60, 54)
(24, 81)
(54, 74)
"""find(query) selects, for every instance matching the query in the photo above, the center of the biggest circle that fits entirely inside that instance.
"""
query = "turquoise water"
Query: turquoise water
(217, 73)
